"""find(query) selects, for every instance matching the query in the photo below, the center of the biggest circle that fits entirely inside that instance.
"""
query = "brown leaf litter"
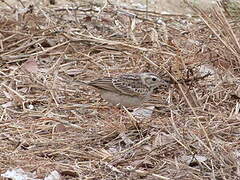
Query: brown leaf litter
(49, 123)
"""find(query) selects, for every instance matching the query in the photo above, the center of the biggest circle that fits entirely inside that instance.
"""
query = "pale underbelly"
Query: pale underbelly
(121, 99)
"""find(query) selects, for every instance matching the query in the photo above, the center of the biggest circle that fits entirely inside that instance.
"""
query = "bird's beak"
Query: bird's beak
(164, 83)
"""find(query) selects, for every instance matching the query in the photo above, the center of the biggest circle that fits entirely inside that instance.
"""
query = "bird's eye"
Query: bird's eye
(154, 79)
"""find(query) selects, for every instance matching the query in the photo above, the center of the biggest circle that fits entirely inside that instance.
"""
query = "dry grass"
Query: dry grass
(50, 123)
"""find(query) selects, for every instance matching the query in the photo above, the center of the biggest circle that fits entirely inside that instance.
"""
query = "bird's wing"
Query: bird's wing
(130, 84)
(104, 83)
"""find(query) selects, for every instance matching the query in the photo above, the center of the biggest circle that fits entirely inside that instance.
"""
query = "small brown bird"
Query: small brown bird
(129, 90)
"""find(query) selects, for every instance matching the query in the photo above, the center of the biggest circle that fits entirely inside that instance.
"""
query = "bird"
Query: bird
(128, 90)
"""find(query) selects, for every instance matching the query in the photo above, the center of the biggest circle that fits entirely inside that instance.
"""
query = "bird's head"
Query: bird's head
(152, 80)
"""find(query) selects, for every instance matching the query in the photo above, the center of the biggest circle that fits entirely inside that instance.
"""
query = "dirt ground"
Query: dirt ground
(52, 124)
(170, 6)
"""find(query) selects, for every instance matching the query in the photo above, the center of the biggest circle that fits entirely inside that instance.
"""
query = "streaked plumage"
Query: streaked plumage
(127, 89)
